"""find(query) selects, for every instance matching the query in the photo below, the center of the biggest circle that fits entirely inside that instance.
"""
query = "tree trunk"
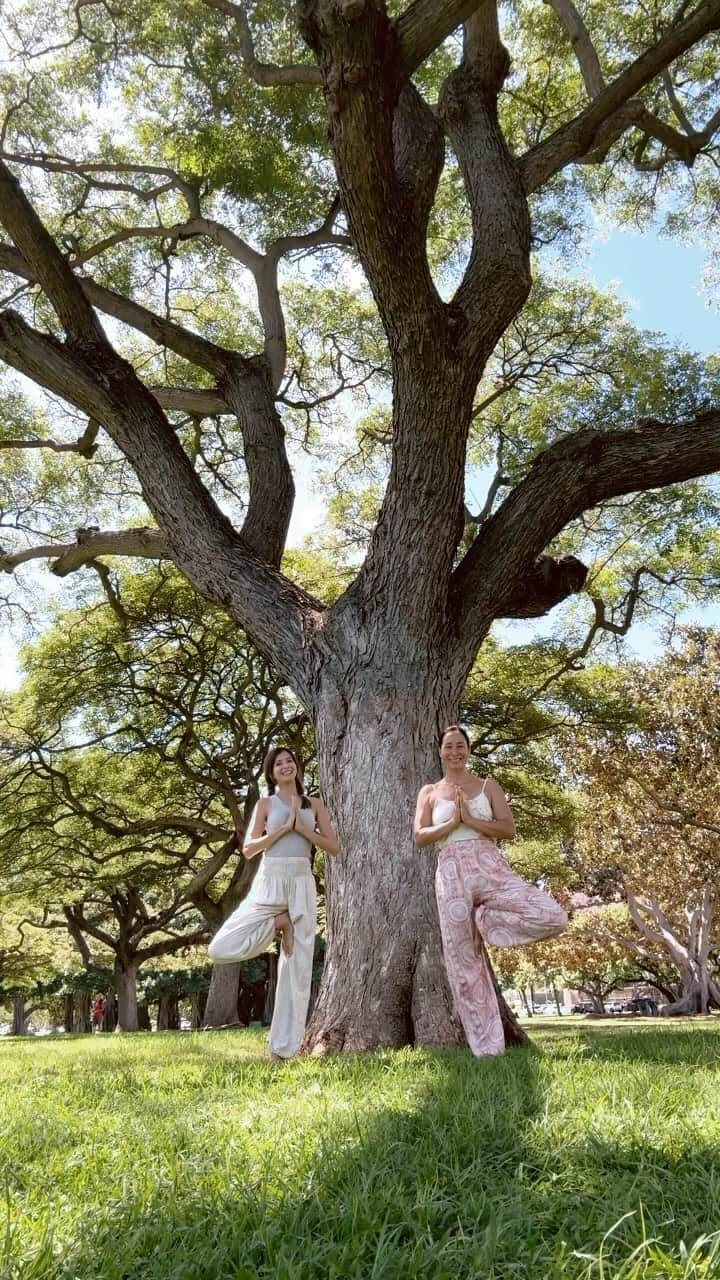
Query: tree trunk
(125, 976)
(82, 1013)
(68, 1012)
(196, 1009)
(168, 1018)
(18, 1026)
(269, 1008)
(222, 1001)
(111, 1013)
(384, 979)
(143, 1017)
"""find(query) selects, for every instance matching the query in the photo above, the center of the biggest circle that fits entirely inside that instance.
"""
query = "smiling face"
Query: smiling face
(284, 768)
(454, 749)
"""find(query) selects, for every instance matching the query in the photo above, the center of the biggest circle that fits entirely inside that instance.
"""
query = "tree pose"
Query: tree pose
(284, 827)
(479, 898)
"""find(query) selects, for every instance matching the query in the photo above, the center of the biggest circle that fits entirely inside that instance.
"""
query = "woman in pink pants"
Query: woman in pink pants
(478, 895)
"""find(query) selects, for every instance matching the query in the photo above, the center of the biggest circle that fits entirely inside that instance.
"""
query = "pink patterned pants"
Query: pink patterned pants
(476, 889)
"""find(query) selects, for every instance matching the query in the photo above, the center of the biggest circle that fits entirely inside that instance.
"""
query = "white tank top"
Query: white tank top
(294, 844)
(443, 809)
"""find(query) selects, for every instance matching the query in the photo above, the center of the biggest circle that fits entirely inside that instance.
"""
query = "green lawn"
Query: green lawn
(190, 1157)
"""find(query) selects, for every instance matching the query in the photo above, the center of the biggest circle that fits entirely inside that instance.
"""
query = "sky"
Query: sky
(660, 279)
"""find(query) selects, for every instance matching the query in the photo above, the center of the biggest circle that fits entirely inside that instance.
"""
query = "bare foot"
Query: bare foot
(284, 926)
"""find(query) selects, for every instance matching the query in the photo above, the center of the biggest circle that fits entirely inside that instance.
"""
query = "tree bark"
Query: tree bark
(221, 1008)
(82, 1014)
(18, 1025)
(125, 975)
(384, 978)
(168, 1015)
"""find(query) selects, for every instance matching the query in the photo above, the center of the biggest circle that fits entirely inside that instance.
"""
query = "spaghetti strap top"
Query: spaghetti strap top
(443, 809)
(294, 844)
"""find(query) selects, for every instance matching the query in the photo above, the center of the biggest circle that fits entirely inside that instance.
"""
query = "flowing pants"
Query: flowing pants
(281, 884)
(477, 890)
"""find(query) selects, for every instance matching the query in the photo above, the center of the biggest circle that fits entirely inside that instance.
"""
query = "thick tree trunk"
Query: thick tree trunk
(221, 1008)
(125, 976)
(68, 1012)
(384, 979)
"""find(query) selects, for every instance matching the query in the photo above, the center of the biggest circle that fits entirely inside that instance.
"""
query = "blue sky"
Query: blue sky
(662, 280)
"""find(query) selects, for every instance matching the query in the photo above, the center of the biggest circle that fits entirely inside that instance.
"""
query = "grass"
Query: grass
(596, 1154)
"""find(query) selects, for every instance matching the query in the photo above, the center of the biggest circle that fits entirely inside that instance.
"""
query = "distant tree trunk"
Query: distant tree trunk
(198, 1001)
(168, 1018)
(68, 1012)
(221, 1009)
(272, 963)
(699, 991)
(18, 1026)
(556, 998)
(82, 1014)
(109, 1022)
(143, 1014)
(125, 982)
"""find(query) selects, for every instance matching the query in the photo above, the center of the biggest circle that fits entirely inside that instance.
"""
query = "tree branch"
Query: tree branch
(582, 44)
(425, 25)
(584, 133)
(573, 475)
(265, 74)
(142, 543)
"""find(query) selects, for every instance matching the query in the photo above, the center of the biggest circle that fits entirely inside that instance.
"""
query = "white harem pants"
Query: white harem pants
(281, 884)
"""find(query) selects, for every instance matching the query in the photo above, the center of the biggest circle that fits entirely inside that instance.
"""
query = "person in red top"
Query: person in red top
(98, 1011)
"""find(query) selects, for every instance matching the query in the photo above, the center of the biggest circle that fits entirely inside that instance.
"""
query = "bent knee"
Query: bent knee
(216, 951)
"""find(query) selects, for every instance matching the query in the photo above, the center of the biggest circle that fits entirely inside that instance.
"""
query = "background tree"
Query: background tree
(130, 763)
(329, 135)
(648, 828)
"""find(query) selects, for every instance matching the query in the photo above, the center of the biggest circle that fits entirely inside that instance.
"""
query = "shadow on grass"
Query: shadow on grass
(458, 1172)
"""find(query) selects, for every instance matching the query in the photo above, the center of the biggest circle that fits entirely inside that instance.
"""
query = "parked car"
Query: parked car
(614, 1006)
(643, 1005)
(584, 1006)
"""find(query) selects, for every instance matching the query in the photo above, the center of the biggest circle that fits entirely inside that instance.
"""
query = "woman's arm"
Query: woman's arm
(502, 824)
(258, 841)
(423, 830)
(323, 836)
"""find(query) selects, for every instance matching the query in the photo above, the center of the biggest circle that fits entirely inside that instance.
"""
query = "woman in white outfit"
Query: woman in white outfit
(284, 827)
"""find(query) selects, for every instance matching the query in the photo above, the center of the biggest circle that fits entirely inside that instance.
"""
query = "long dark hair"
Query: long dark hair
(269, 765)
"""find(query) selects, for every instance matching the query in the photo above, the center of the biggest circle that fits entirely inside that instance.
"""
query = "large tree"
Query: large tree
(335, 116)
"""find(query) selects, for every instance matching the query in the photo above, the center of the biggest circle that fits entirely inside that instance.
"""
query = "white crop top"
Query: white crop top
(443, 809)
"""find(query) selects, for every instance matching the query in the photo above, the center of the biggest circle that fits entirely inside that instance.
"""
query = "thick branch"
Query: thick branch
(581, 135)
(356, 48)
(425, 25)
(570, 477)
(497, 277)
(46, 264)
(142, 543)
(243, 388)
(585, 53)
(199, 537)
